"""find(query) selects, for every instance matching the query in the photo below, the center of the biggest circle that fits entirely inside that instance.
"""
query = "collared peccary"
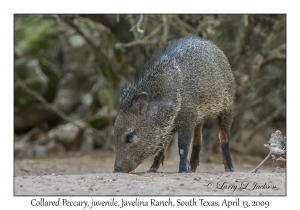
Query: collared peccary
(177, 91)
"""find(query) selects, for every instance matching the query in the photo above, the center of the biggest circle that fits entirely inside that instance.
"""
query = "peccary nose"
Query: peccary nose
(118, 169)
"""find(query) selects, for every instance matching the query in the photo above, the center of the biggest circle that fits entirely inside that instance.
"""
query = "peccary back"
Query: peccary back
(190, 82)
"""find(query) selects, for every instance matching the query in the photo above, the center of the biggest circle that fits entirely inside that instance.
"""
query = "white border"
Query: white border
(8, 8)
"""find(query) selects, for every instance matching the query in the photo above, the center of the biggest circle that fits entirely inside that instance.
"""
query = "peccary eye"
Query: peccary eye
(129, 137)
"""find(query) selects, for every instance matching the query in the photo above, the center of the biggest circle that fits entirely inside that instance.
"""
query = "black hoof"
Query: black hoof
(187, 169)
(194, 167)
(152, 170)
(229, 169)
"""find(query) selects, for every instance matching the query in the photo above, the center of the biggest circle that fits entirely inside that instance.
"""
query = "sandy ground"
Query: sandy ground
(91, 174)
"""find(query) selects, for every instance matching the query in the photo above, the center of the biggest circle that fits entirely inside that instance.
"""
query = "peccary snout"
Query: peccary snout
(118, 169)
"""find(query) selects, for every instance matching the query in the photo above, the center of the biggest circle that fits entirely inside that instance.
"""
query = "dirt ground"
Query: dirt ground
(91, 174)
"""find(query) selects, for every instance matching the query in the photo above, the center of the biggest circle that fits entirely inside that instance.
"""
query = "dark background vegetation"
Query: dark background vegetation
(68, 71)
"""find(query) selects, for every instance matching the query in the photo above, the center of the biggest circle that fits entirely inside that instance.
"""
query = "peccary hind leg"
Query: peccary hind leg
(196, 147)
(224, 123)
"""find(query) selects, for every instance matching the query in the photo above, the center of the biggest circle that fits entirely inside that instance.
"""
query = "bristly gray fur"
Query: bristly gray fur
(189, 82)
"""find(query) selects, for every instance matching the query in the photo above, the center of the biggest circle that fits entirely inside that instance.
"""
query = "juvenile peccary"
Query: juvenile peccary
(177, 91)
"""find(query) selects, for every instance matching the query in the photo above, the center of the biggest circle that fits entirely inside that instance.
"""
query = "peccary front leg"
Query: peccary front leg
(197, 141)
(224, 123)
(184, 139)
(159, 159)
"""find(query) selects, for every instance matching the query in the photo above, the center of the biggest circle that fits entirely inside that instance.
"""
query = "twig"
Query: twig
(144, 41)
(254, 170)
(138, 25)
(139, 42)
(153, 32)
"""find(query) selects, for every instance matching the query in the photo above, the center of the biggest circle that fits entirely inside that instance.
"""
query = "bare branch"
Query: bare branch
(264, 122)
(266, 97)
(43, 101)
(70, 23)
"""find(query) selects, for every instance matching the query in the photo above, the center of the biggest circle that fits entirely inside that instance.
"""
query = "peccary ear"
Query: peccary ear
(140, 103)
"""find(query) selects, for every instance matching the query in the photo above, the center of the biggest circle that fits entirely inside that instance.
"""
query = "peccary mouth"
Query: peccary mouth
(121, 169)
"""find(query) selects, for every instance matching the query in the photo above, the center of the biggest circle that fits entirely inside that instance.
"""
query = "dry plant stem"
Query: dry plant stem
(139, 24)
(140, 42)
(254, 170)
(43, 101)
